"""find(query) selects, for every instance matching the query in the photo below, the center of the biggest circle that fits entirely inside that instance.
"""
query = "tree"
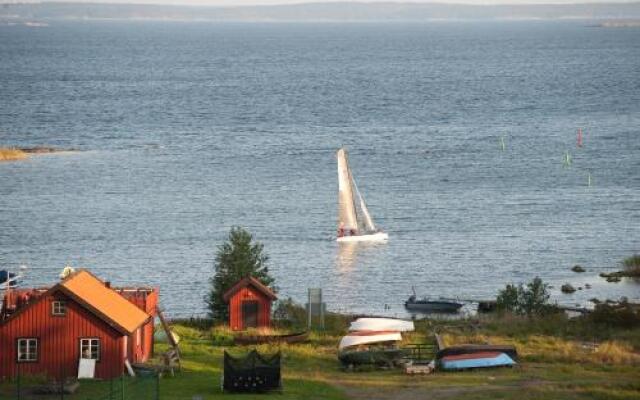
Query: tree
(530, 300)
(237, 258)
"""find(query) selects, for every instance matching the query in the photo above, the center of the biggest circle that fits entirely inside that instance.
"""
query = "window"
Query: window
(90, 349)
(28, 350)
(58, 308)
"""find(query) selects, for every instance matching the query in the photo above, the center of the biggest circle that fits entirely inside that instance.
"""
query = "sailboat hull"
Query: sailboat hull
(374, 237)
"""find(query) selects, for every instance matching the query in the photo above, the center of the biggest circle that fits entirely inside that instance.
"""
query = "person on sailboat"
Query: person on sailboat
(341, 230)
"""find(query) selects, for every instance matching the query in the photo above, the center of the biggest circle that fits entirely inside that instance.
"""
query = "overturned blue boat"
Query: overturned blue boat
(486, 359)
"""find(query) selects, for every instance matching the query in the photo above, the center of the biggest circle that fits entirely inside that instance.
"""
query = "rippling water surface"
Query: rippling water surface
(186, 129)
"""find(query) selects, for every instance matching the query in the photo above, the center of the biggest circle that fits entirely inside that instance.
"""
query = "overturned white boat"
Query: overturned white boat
(382, 324)
(369, 337)
(370, 348)
(353, 226)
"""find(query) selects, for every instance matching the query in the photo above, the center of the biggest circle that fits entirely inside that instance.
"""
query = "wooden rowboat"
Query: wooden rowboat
(260, 339)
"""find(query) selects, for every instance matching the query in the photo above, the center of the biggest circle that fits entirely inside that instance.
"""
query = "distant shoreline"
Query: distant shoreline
(35, 13)
(21, 153)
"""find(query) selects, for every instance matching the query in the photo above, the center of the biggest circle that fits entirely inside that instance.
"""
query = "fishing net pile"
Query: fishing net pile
(252, 373)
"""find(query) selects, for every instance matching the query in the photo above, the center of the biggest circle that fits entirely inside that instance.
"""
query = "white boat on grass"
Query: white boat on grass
(353, 226)
(382, 324)
(370, 348)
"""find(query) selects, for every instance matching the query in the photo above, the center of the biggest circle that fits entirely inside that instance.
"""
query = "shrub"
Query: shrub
(530, 300)
(622, 315)
(288, 314)
(632, 265)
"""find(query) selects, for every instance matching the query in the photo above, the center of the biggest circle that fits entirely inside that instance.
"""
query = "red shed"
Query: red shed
(249, 304)
(47, 331)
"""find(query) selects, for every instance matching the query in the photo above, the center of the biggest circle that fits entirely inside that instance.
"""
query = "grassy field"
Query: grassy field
(560, 359)
(8, 154)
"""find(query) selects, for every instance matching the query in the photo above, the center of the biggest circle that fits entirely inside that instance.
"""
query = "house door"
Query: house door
(249, 314)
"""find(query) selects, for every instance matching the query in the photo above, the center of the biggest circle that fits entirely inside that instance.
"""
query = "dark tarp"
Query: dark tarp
(252, 373)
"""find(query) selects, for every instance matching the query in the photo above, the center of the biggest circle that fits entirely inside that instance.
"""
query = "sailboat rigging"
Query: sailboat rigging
(353, 227)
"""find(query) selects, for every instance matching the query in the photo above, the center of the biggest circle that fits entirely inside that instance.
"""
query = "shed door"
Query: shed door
(249, 314)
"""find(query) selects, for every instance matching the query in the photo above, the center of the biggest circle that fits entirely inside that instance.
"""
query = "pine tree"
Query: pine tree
(237, 258)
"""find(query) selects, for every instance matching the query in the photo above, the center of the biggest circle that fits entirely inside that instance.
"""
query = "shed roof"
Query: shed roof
(103, 301)
(249, 281)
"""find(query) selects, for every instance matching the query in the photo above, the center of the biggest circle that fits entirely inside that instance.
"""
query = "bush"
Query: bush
(288, 314)
(530, 300)
(632, 265)
(621, 315)
(222, 336)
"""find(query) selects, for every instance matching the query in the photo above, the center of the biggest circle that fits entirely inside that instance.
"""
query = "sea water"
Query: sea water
(183, 130)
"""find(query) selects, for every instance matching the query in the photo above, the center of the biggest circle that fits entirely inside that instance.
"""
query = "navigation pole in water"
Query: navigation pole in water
(579, 138)
(567, 159)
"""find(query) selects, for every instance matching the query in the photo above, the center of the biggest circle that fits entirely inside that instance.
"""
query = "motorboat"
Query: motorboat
(432, 305)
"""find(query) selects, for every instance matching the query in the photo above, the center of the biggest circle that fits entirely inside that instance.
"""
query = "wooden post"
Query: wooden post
(167, 330)
(439, 341)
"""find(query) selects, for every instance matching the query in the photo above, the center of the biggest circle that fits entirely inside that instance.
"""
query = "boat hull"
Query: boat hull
(433, 306)
(261, 339)
(382, 324)
(476, 360)
(386, 357)
(509, 350)
(375, 237)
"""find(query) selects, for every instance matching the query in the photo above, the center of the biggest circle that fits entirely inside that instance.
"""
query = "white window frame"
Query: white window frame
(58, 308)
(93, 345)
(31, 350)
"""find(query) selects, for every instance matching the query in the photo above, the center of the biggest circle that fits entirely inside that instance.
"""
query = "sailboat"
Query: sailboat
(353, 226)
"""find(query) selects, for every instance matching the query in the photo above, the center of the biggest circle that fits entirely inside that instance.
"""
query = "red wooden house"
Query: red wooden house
(249, 304)
(47, 331)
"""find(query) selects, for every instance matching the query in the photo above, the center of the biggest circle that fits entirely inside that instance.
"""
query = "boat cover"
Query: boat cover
(476, 360)
(252, 373)
(381, 324)
(369, 337)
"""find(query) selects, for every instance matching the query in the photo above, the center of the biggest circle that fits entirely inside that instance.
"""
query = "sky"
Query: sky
(273, 2)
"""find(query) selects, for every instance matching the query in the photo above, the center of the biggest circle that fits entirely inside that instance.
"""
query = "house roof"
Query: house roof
(249, 281)
(106, 303)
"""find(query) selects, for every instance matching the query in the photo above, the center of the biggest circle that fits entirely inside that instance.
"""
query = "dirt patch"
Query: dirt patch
(417, 392)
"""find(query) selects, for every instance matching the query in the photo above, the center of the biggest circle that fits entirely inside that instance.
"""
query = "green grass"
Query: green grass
(558, 361)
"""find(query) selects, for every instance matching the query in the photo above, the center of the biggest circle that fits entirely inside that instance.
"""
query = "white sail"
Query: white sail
(368, 221)
(347, 217)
